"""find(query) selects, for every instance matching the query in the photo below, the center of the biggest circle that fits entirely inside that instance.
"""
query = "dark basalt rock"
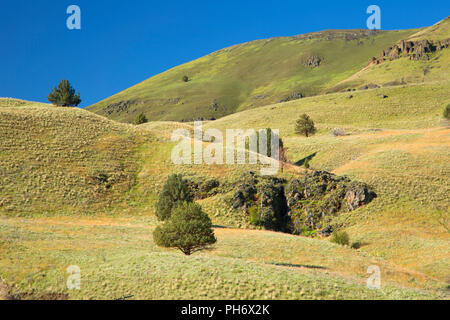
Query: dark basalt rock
(294, 96)
(304, 205)
(119, 107)
(202, 190)
(273, 211)
(358, 194)
(326, 232)
(246, 191)
(313, 202)
(369, 86)
(263, 200)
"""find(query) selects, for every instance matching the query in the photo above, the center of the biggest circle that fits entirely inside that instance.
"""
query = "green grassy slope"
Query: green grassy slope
(405, 71)
(439, 31)
(249, 75)
(399, 145)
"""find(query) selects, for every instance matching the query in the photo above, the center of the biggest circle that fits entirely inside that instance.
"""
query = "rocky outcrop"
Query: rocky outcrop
(413, 50)
(357, 195)
(369, 86)
(203, 189)
(119, 107)
(321, 195)
(312, 61)
(292, 97)
(300, 206)
(262, 200)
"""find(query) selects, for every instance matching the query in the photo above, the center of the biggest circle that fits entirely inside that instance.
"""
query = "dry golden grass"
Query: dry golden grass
(50, 158)
(62, 148)
(117, 257)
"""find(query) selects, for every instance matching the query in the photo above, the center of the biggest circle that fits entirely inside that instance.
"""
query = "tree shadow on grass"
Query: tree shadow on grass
(221, 227)
(358, 244)
(298, 266)
(301, 162)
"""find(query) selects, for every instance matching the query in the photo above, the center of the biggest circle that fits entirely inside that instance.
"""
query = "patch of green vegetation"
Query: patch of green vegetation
(175, 192)
(188, 229)
(400, 72)
(341, 238)
(140, 119)
(250, 75)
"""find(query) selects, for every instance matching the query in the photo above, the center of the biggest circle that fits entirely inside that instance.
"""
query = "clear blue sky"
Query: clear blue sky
(122, 43)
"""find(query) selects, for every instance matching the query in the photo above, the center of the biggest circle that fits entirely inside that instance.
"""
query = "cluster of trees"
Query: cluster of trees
(186, 227)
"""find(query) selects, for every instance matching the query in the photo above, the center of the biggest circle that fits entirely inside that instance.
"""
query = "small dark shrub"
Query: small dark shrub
(306, 163)
(356, 245)
(209, 185)
(340, 237)
(140, 119)
(447, 112)
(185, 79)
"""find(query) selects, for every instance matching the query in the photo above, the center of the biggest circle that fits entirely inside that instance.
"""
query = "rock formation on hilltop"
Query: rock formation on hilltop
(414, 50)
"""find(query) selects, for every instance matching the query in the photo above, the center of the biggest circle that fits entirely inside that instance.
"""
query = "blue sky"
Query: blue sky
(122, 43)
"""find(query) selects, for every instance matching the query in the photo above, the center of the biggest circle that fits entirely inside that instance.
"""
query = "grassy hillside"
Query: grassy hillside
(79, 189)
(439, 31)
(399, 145)
(436, 66)
(62, 159)
(388, 148)
(250, 75)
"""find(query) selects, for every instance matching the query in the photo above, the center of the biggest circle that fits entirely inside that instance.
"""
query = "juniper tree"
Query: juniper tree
(64, 95)
(188, 229)
(174, 192)
(305, 126)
